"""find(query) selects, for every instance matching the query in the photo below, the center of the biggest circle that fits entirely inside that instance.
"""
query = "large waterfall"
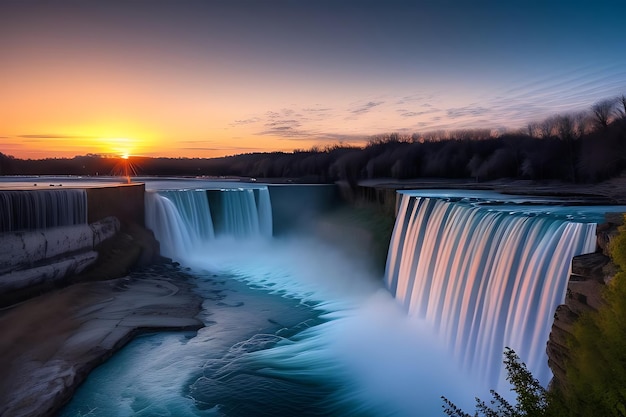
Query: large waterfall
(299, 325)
(41, 209)
(486, 279)
(188, 218)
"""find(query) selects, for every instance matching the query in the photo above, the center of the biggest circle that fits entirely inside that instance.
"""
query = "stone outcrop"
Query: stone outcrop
(50, 343)
(33, 257)
(51, 272)
(590, 274)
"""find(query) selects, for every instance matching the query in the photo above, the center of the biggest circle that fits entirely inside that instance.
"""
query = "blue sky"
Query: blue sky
(208, 78)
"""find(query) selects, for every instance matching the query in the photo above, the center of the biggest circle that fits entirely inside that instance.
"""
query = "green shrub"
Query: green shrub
(532, 398)
(595, 383)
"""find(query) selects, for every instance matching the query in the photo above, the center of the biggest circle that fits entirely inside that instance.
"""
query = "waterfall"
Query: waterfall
(485, 279)
(164, 219)
(264, 209)
(41, 209)
(245, 212)
(186, 219)
(193, 207)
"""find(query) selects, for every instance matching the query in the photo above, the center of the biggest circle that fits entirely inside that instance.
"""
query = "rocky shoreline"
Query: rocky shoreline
(54, 335)
(51, 343)
(52, 338)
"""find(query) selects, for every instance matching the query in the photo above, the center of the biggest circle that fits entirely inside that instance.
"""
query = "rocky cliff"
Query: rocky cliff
(590, 274)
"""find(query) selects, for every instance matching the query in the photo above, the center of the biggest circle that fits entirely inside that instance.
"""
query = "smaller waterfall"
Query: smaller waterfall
(243, 212)
(186, 219)
(41, 209)
(264, 209)
(239, 213)
(193, 207)
(484, 279)
(169, 227)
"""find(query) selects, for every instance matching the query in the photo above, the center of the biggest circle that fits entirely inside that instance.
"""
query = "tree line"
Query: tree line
(586, 146)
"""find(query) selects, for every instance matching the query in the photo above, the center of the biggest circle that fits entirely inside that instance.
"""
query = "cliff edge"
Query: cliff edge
(590, 274)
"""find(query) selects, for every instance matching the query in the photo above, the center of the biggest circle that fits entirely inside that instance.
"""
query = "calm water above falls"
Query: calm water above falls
(294, 327)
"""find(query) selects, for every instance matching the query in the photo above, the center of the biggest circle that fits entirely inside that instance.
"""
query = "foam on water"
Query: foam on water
(351, 352)
(297, 327)
(485, 279)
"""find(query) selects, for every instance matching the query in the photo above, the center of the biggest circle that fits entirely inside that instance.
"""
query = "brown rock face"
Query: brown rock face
(50, 343)
(590, 273)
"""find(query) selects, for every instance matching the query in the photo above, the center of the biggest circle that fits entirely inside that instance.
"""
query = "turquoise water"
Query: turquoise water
(295, 326)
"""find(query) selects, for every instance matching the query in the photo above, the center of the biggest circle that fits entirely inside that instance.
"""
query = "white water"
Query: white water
(485, 279)
(451, 265)
(182, 221)
(367, 357)
(41, 209)
(242, 215)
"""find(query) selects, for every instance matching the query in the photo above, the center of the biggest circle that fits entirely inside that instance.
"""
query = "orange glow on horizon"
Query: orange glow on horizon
(75, 142)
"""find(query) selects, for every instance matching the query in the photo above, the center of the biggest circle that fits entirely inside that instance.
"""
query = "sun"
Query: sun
(120, 146)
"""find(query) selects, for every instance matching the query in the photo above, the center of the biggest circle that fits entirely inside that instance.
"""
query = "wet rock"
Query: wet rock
(589, 266)
(51, 272)
(51, 343)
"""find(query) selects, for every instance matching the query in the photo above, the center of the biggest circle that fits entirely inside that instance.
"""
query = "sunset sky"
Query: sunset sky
(212, 78)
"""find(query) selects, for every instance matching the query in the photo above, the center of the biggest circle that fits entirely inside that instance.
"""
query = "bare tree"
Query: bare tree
(622, 102)
(533, 130)
(564, 127)
(547, 128)
(602, 112)
(583, 124)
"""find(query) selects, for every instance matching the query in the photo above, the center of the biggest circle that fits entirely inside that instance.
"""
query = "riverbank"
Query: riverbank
(53, 337)
(51, 343)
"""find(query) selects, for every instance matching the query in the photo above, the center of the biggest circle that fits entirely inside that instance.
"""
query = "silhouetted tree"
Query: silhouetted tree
(534, 130)
(602, 111)
(548, 127)
(622, 102)
(564, 125)
(582, 124)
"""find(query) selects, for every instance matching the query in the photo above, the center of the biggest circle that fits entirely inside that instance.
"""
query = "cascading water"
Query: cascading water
(193, 207)
(295, 326)
(245, 212)
(168, 225)
(182, 219)
(41, 209)
(485, 279)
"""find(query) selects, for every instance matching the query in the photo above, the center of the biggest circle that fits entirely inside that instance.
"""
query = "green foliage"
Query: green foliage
(532, 398)
(618, 248)
(595, 382)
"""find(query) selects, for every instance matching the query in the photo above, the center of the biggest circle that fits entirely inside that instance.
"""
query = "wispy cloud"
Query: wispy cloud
(285, 131)
(471, 110)
(407, 114)
(317, 109)
(420, 99)
(365, 108)
(356, 121)
(285, 122)
(244, 122)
